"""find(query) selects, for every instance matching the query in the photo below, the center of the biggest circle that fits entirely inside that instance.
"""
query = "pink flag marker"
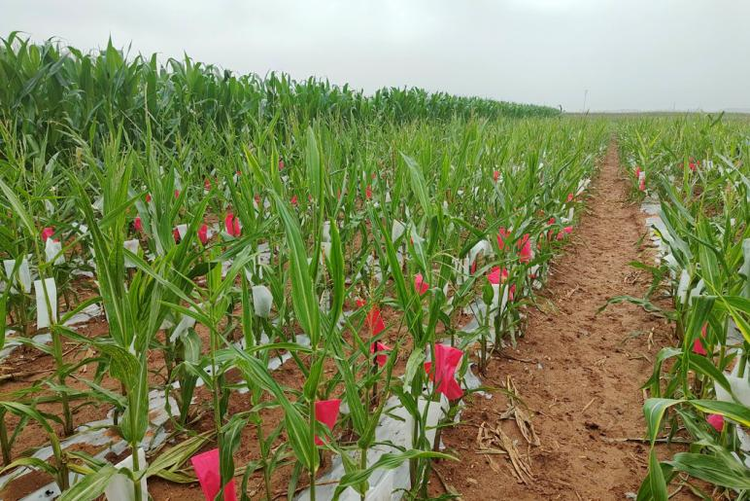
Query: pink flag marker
(203, 234)
(565, 231)
(294, 200)
(419, 284)
(176, 235)
(374, 321)
(281, 164)
(177, 193)
(717, 421)
(378, 347)
(497, 276)
(447, 359)
(698, 347)
(207, 184)
(496, 175)
(502, 236)
(326, 412)
(570, 197)
(138, 224)
(524, 246)
(368, 192)
(47, 233)
(232, 225)
(206, 467)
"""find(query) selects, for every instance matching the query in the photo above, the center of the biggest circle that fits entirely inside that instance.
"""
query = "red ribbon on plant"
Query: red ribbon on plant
(378, 347)
(326, 412)
(203, 234)
(47, 233)
(206, 467)
(698, 347)
(420, 285)
(502, 236)
(717, 421)
(447, 359)
(232, 225)
(524, 246)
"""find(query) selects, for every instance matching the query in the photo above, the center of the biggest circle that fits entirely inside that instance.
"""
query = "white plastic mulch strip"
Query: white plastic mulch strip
(651, 207)
(12, 340)
(395, 427)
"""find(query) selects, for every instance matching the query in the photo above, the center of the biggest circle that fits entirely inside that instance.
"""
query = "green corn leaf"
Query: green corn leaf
(303, 296)
(656, 478)
(654, 410)
(732, 410)
(418, 184)
(387, 461)
(91, 486)
(721, 470)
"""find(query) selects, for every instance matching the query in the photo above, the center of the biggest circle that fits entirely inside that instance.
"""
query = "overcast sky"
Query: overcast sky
(635, 54)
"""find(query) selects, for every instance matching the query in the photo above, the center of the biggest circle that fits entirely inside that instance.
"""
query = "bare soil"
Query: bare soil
(577, 373)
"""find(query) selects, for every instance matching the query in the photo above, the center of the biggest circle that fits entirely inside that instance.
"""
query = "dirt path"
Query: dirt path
(578, 373)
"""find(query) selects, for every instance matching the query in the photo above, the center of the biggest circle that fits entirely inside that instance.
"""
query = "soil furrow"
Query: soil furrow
(577, 372)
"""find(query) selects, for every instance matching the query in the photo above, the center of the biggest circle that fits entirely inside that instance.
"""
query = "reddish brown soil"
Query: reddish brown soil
(578, 373)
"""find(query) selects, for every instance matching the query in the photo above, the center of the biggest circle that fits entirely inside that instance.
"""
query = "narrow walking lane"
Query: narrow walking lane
(577, 373)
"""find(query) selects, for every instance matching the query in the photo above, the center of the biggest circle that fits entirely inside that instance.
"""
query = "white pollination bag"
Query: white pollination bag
(45, 291)
(262, 300)
(23, 275)
(120, 487)
(132, 246)
(53, 251)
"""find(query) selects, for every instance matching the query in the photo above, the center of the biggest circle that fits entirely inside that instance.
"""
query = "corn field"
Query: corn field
(693, 175)
(282, 289)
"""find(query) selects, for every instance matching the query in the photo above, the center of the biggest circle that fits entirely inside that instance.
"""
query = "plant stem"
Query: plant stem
(315, 448)
(58, 355)
(363, 466)
(137, 491)
(4, 444)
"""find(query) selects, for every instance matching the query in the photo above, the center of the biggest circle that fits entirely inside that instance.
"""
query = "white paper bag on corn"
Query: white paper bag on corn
(395, 427)
(23, 276)
(682, 287)
(182, 230)
(498, 305)
(53, 251)
(42, 311)
(120, 487)
(132, 246)
(326, 254)
(262, 300)
(740, 387)
(480, 248)
(185, 323)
